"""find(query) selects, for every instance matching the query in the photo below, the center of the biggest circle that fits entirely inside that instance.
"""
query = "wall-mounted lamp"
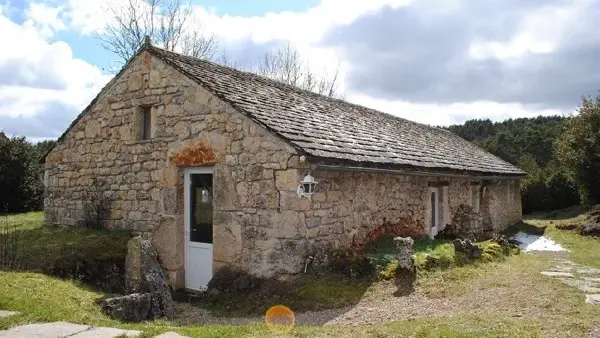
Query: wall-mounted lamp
(306, 186)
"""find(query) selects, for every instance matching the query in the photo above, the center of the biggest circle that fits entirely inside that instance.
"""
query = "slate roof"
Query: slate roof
(333, 129)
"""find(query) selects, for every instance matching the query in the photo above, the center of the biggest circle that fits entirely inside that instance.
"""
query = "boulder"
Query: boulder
(467, 247)
(143, 274)
(130, 308)
(405, 254)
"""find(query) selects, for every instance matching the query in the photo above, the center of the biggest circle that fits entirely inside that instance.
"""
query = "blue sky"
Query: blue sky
(88, 48)
(432, 61)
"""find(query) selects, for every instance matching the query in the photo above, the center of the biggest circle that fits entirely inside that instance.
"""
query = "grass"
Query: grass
(584, 250)
(442, 250)
(384, 248)
(310, 292)
(502, 298)
(41, 248)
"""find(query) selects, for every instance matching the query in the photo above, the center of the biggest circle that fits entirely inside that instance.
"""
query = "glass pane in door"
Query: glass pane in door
(201, 208)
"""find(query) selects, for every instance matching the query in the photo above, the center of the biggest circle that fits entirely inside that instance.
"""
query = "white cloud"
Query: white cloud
(39, 75)
(540, 32)
(46, 19)
(444, 115)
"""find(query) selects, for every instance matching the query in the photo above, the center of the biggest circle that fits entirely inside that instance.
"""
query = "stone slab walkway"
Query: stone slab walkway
(4, 313)
(63, 329)
(584, 278)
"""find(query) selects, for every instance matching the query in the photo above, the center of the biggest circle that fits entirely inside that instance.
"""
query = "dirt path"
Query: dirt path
(512, 289)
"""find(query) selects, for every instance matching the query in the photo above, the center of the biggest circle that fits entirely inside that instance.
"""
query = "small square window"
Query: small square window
(146, 132)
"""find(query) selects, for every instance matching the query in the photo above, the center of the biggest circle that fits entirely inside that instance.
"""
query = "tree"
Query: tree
(167, 22)
(286, 65)
(578, 148)
(21, 186)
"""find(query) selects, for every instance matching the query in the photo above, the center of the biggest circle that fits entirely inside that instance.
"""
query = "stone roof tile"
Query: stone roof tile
(333, 129)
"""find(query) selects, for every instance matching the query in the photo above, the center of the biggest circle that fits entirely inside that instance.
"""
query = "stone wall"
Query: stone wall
(347, 207)
(260, 224)
(504, 201)
(143, 180)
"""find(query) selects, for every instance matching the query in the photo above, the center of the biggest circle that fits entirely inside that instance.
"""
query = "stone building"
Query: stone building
(209, 161)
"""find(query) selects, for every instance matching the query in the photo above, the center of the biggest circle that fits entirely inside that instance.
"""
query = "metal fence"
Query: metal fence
(11, 243)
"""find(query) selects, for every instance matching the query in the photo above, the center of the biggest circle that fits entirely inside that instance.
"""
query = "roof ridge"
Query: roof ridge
(283, 85)
(364, 117)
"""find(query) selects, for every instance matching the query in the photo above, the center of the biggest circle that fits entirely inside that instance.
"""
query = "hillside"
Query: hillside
(530, 144)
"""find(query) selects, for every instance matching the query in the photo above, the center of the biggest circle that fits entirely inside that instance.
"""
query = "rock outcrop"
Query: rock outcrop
(405, 254)
(130, 308)
(143, 274)
(467, 247)
(149, 295)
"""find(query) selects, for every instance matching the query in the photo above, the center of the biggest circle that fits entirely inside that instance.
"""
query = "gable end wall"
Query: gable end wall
(145, 185)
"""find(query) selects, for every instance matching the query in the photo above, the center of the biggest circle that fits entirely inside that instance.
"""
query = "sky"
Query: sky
(437, 62)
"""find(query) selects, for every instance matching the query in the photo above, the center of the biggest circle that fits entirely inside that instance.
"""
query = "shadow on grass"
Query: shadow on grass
(93, 257)
(314, 291)
(524, 226)
(405, 283)
(557, 215)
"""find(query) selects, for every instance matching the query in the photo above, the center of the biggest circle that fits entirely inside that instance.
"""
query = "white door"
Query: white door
(198, 227)
(434, 209)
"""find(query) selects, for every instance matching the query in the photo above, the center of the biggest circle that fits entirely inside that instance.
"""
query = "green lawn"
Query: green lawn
(584, 250)
(40, 248)
(507, 298)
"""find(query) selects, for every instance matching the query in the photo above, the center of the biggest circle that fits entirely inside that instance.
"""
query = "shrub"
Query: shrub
(547, 188)
(389, 271)
(577, 148)
(492, 252)
(352, 263)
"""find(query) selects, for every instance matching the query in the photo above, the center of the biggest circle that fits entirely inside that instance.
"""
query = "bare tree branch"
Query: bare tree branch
(286, 65)
(167, 22)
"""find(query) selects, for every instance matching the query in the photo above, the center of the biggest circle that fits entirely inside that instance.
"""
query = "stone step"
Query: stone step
(63, 329)
(45, 330)
(106, 332)
(171, 335)
(593, 299)
(582, 285)
(5, 313)
(557, 274)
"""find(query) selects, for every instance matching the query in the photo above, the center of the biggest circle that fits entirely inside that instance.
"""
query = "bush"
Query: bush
(21, 174)
(577, 149)
(492, 252)
(352, 263)
(547, 188)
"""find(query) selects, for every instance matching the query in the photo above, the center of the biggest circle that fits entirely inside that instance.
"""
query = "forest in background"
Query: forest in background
(528, 143)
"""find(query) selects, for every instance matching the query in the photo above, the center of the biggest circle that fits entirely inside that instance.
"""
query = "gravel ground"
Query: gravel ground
(510, 290)
(379, 305)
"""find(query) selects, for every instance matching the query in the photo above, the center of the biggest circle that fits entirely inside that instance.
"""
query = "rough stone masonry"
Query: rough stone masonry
(260, 224)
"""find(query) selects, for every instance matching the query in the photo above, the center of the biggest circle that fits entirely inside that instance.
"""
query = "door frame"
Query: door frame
(435, 211)
(187, 203)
